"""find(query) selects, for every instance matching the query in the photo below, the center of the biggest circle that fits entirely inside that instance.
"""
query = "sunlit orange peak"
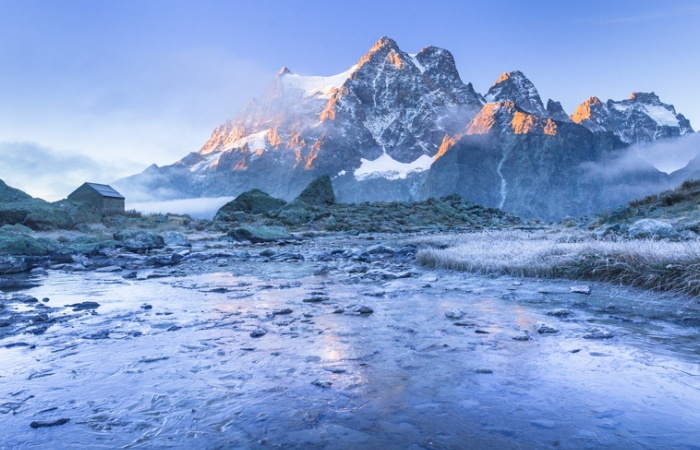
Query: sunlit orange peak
(447, 143)
(504, 76)
(583, 111)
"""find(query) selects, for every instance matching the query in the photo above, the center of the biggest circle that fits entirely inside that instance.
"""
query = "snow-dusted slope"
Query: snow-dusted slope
(641, 118)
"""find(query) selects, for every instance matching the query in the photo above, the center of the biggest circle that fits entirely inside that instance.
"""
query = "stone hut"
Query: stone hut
(101, 196)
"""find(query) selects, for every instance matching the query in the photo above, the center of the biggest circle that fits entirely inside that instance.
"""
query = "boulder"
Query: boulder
(249, 202)
(650, 228)
(10, 194)
(173, 238)
(257, 234)
(318, 193)
(19, 244)
(13, 264)
(139, 241)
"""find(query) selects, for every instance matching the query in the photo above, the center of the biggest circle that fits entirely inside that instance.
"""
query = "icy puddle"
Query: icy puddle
(265, 354)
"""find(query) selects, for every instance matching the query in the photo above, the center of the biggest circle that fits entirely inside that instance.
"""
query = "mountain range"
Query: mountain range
(400, 126)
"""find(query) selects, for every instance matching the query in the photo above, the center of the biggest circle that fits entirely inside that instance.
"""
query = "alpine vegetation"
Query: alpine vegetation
(645, 263)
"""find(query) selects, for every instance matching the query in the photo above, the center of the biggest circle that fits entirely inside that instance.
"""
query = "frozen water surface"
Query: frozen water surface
(171, 362)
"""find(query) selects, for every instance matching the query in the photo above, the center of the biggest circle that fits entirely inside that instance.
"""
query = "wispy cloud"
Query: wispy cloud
(200, 208)
(49, 174)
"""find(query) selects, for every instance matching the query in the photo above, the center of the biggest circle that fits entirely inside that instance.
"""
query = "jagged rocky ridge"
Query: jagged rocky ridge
(399, 127)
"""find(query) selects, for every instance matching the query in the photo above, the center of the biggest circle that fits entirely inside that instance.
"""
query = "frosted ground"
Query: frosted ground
(344, 342)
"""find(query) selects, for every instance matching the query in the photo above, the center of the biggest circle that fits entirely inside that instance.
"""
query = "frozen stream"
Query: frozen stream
(171, 362)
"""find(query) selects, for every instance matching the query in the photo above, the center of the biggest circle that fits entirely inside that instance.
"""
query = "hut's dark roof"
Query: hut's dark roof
(104, 190)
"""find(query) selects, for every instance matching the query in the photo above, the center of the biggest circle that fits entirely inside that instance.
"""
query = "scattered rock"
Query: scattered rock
(256, 234)
(139, 241)
(109, 269)
(13, 264)
(560, 313)
(55, 423)
(455, 313)
(362, 309)
(322, 384)
(650, 228)
(597, 333)
(38, 271)
(582, 289)
(175, 239)
(280, 312)
(258, 332)
(84, 306)
(522, 337)
(316, 299)
(23, 298)
(543, 328)
(104, 334)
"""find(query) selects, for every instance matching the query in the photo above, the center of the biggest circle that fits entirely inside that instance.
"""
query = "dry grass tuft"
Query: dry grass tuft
(648, 264)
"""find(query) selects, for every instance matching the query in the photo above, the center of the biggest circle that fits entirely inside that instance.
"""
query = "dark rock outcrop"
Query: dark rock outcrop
(251, 202)
(139, 241)
(318, 193)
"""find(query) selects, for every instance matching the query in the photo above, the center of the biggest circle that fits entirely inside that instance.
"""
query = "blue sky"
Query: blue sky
(101, 89)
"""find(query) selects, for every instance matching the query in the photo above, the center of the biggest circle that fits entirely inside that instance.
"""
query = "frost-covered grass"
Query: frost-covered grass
(648, 264)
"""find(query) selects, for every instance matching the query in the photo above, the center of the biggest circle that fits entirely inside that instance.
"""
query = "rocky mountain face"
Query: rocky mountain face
(399, 126)
(640, 118)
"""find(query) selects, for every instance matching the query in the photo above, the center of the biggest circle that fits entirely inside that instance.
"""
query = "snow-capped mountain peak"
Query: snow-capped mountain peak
(643, 117)
(388, 125)
(517, 88)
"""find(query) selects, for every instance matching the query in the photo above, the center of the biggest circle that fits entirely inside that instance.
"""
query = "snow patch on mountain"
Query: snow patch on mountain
(417, 63)
(661, 115)
(314, 86)
(387, 167)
